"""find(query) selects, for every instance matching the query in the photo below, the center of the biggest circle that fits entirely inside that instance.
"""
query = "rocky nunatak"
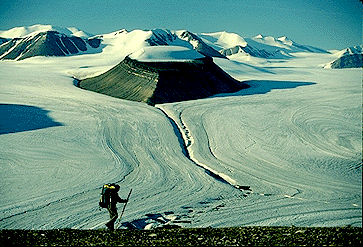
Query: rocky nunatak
(163, 82)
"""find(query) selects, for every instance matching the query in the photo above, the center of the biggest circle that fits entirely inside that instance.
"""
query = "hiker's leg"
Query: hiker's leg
(113, 217)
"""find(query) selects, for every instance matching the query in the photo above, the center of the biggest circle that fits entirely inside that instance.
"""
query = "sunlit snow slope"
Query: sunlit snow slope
(293, 138)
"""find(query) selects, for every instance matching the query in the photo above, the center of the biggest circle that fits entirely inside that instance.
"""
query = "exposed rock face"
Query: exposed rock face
(350, 57)
(163, 82)
(161, 37)
(348, 61)
(50, 43)
(248, 50)
(3, 40)
(199, 44)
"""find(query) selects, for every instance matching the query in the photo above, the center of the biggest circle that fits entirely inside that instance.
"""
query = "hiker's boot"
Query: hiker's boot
(110, 226)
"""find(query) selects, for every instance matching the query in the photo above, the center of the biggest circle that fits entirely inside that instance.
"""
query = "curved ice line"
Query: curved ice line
(186, 140)
(50, 203)
(107, 145)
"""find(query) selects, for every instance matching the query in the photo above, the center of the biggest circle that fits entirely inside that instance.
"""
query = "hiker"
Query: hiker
(111, 207)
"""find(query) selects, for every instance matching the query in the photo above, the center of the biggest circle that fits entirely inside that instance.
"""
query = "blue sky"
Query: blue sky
(329, 24)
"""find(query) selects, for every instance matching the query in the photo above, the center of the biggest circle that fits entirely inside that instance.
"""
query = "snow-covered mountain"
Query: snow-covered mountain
(220, 40)
(23, 42)
(198, 44)
(259, 46)
(351, 57)
(45, 40)
(138, 39)
(286, 44)
(230, 43)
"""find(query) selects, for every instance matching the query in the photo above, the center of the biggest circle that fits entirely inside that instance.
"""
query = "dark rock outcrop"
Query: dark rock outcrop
(3, 40)
(161, 37)
(163, 82)
(348, 61)
(352, 57)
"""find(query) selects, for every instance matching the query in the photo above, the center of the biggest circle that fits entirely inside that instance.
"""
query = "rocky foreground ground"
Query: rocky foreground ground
(235, 236)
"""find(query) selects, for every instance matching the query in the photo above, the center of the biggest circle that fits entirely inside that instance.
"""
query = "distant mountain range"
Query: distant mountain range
(261, 46)
(46, 40)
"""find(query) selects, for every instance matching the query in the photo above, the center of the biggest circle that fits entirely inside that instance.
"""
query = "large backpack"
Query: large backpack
(105, 194)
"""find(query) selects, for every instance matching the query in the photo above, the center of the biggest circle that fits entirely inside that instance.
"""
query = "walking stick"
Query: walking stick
(123, 210)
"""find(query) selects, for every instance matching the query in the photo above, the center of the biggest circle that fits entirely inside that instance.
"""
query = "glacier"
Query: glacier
(288, 149)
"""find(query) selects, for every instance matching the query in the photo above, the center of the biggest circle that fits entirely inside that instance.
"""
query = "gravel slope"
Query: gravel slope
(238, 236)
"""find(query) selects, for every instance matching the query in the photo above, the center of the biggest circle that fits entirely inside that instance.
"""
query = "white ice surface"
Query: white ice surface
(165, 53)
(294, 137)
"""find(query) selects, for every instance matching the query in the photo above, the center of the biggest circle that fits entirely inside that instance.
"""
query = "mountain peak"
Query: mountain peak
(283, 38)
(22, 32)
(265, 38)
(353, 50)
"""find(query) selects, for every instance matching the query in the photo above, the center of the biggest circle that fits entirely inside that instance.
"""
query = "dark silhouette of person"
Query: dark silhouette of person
(112, 209)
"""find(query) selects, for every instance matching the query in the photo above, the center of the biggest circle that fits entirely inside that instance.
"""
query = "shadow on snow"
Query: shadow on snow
(265, 86)
(164, 220)
(19, 118)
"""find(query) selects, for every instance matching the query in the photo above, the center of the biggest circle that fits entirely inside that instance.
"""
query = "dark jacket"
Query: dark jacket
(115, 198)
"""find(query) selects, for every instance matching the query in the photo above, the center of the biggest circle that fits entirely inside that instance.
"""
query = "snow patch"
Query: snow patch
(224, 39)
(165, 54)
